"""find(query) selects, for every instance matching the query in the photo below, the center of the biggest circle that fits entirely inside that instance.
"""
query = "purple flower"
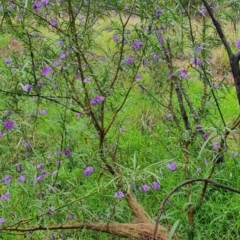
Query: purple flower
(159, 12)
(161, 41)
(136, 45)
(1, 134)
(55, 87)
(199, 49)
(197, 61)
(116, 38)
(215, 9)
(172, 166)
(22, 179)
(155, 185)
(67, 152)
(198, 127)
(27, 87)
(235, 154)
(215, 85)
(183, 10)
(58, 62)
(8, 61)
(119, 194)
(18, 167)
(70, 216)
(198, 170)
(2, 220)
(59, 153)
(96, 100)
(216, 145)
(145, 187)
(154, 56)
(45, 2)
(138, 77)
(238, 44)
(63, 55)
(42, 112)
(88, 171)
(183, 73)
(204, 136)
(40, 166)
(180, 55)
(37, 6)
(54, 23)
(78, 115)
(40, 178)
(46, 70)
(202, 11)
(26, 144)
(145, 63)
(168, 115)
(86, 80)
(5, 196)
(170, 74)
(8, 125)
(51, 211)
(102, 59)
(10, 7)
(60, 42)
(129, 61)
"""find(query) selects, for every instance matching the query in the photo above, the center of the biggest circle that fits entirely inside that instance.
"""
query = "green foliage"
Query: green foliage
(115, 86)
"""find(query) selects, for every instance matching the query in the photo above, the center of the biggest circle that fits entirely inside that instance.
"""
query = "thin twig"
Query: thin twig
(161, 208)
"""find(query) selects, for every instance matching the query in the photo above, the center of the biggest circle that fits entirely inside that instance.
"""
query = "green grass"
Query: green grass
(142, 150)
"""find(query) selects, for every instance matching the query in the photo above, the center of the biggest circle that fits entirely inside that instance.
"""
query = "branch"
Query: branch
(126, 230)
(218, 28)
(233, 57)
(40, 17)
(183, 112)
(137, 209)
(161, 208)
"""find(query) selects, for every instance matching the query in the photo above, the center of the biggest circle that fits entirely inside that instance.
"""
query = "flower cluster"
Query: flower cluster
(88, 171)
(27, 87)
(37, 5)
(159, 12)
(96, 100)
(136, 45)
(46, 70)
(5, 196)
(183, 73)
(172, 166)
(129, 61)
(238, 44)
(8, 125)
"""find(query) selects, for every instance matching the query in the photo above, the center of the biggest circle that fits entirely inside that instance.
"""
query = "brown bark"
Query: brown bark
(136, 231)
(137, 209)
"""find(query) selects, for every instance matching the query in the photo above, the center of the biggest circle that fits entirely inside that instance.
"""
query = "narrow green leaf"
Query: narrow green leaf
(174, 227)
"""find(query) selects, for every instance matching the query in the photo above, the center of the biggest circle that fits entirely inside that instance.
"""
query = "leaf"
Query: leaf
(26, 3)
(105, 18)
(205, 144)
(174, 227)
